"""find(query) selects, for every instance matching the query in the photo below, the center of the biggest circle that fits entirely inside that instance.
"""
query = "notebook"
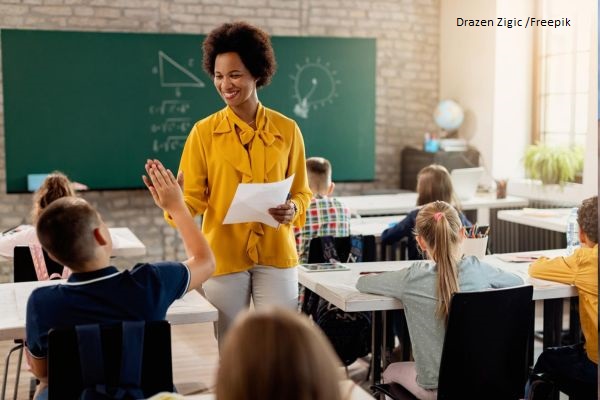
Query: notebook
(465, 180)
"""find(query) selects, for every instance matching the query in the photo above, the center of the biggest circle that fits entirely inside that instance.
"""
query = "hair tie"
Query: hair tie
(437, 216)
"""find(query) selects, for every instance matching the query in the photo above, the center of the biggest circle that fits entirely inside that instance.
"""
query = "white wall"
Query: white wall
(467, 69)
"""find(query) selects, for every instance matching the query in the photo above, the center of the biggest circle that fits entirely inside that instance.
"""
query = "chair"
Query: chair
(485, 347)
(343, 245)
(24, 271)
(23, 268)
(115, 360)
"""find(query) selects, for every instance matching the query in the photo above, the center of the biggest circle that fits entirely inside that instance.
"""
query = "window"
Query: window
(564, 64)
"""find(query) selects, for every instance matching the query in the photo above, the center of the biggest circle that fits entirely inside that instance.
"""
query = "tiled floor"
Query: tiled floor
(195, 359)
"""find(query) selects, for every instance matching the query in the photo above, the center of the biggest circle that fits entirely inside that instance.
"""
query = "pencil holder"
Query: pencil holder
(475, 247)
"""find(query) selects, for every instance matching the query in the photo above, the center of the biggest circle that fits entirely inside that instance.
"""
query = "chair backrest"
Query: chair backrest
(486, 344)
(343, 245)
(23, 268)
(65, 378)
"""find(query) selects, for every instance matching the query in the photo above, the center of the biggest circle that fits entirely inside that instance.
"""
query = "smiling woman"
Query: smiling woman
(245, 142)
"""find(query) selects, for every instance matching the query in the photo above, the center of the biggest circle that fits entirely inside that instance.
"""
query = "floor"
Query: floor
(195, 359)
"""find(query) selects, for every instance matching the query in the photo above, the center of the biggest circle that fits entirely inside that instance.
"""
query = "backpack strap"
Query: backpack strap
(92, 362)
(91, 358)
(131, 360)
(39, 264)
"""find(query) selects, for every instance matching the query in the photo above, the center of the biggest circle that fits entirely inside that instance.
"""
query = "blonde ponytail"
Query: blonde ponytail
(439, 225)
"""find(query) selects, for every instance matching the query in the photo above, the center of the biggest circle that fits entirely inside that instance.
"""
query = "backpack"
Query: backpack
(92, 363)
(348, 332)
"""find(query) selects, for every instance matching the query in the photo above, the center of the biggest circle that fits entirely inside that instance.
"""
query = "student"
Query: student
(574, 369)
(425, 290)
(55, 186)
(325, 216)
(277, 354)
(433, 184)
(73, 233)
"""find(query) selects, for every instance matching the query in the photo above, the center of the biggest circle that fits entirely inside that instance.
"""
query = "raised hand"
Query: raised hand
(163, 185)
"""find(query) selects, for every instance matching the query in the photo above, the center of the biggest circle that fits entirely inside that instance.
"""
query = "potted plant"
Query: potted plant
(553, 165)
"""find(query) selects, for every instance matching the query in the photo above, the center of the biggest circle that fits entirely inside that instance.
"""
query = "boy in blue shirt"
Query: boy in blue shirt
(73, 233)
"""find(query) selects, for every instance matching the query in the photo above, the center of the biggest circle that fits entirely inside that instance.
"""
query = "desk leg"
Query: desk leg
(376, 331)
(552, 322)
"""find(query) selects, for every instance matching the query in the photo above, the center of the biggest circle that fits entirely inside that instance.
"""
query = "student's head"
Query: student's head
(587, 218)
(434, 184)
(319, 176)
(72, 232)
(277, 354)
(238, 56)
(439, 232)
(55, 186)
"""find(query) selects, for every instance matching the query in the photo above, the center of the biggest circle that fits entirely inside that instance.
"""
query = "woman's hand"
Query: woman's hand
(284, 213)
(164, 187)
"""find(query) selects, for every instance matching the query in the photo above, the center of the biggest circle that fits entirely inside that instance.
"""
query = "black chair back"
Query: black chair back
(486, 344)
(23, 268)
(65, 381)
(343, 244)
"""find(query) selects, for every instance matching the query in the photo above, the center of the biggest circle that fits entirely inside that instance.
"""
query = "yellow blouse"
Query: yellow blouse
(579, 269)
(215, 161)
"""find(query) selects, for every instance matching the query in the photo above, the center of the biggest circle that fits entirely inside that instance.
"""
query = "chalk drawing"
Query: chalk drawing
(315, 86)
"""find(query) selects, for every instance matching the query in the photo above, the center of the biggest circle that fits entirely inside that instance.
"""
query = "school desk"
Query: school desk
(339, 288)
(373, 225)
(402, 203)
(192, 308)
(553, 219)
(125, 243)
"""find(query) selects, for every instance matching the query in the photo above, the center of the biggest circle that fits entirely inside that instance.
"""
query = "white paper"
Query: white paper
(253, 200)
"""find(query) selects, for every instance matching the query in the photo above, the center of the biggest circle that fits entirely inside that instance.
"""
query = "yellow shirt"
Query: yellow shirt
(215, 161)
(579, 269)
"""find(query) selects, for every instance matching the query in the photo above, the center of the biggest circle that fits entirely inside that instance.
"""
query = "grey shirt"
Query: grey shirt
(415, 287)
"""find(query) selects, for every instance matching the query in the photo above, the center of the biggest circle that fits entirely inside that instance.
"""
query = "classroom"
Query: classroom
(380, 88)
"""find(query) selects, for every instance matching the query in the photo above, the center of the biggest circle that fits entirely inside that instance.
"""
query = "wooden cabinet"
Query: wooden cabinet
(413, 160)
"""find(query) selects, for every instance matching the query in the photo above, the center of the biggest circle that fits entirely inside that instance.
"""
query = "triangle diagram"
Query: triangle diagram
(173, 74)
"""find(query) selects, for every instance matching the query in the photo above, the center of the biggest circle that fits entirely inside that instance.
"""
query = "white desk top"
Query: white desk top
(373, 225)
(192, 308)
(553, 219)
(339, 287)
(125, 243)
(403, 203)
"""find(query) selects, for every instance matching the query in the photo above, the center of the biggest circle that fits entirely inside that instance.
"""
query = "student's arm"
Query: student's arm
(559, 269)
(399, 231)
(167, 194)
(39, 366)
(386, 283)
(498, 278)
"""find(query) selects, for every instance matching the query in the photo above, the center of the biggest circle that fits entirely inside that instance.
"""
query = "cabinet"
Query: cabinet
(413, 160)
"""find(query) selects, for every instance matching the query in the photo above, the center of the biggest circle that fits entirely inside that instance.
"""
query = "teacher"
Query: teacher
(245, 142)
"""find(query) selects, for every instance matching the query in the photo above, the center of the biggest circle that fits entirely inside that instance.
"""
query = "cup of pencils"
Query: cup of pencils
(476, 241)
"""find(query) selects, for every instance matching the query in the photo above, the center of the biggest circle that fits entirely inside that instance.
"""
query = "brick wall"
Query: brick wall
(407, 33)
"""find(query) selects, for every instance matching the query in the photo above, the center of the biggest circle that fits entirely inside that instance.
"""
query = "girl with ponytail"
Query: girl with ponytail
(55, 186)
(425, 289)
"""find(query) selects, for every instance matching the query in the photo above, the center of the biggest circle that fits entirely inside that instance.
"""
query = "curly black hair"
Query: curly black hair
(587, 218)
(252, 44)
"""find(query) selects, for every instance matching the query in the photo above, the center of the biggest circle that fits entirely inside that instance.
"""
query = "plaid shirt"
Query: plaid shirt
(325, 216)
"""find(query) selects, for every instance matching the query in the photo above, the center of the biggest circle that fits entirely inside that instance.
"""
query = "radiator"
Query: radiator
(509, 237)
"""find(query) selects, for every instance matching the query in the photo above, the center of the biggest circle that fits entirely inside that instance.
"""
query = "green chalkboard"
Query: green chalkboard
(97, 105)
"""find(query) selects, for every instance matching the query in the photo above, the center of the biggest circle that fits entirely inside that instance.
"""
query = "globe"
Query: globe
(448, 115)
